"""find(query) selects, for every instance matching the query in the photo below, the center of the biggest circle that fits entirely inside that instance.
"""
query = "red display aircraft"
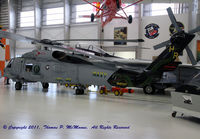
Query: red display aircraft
(108, 10)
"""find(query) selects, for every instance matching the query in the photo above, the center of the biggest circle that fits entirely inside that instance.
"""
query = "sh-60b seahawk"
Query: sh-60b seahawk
(84, 69)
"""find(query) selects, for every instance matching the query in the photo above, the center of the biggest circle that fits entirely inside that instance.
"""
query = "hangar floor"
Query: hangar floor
(141, 116)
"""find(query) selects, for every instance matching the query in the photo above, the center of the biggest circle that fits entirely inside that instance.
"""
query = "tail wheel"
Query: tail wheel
(116, 92)
(92, 17)
(130, 19)
(118, 4)
(149, 89)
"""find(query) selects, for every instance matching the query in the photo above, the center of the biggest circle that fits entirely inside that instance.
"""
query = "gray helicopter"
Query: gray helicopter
(57, 67)
(82, 69)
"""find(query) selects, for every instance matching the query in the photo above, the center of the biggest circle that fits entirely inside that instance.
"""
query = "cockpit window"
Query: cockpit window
(9, 64)
(29, 67)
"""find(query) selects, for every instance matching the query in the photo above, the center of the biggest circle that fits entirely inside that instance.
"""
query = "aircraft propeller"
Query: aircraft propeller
(179, 33)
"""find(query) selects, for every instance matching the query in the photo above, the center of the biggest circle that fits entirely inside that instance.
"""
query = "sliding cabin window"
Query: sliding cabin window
(29, 67)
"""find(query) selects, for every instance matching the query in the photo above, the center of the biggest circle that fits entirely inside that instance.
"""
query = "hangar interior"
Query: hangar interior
(146, 116)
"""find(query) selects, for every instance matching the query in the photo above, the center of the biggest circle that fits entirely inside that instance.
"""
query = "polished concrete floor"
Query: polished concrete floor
(54, 112)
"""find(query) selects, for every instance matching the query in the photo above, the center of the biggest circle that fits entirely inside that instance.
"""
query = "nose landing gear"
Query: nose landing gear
(45, 85)
(80, 90)
(18, 85)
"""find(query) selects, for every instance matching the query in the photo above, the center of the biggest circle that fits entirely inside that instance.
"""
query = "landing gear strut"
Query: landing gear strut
(18, 85)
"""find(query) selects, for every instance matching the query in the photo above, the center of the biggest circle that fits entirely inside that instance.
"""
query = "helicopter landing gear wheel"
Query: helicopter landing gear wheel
(45, 85)
(18, 85)
(79, 90)
(130, 19)
(92, 17)
(149, 89)
(174, 114)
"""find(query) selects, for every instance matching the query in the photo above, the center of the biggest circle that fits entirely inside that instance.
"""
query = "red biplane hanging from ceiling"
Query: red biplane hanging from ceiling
(108, 10)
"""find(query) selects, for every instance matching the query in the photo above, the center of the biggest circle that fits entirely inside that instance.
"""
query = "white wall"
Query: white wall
(79, 31)
(132, 33)
(127, 55)
(23, 47)
(84, 31)
(46, 33)
(164, 23)
(53, 33)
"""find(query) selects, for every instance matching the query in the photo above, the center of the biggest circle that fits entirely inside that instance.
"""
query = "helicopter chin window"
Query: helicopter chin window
(29, 67)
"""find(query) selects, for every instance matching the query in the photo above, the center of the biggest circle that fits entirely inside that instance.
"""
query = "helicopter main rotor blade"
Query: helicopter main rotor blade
(104, 40)
(17, 37)
(163, 44)
(173, 19)
(191, 56)
(194, 30)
